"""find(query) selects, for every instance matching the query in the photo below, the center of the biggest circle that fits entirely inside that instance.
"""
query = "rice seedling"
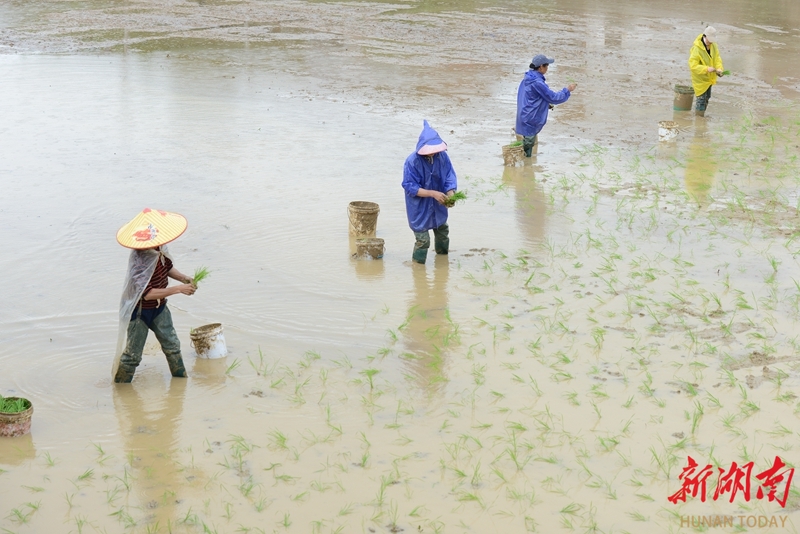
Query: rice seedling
(455, 197)
(636, 516)
(233, 366)
(89, 473)
(80, 522)
(112, 495)
(199, 275)
(49, 459)
(13, 404)
(369, 373)
(713, 401)
(18, 515)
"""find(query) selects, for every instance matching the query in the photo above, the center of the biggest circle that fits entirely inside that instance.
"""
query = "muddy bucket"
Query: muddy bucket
(370, 248)
(208, 341)
(513, 154)
(18, 423)
(363, 218)
(684, 95)
(667, 130)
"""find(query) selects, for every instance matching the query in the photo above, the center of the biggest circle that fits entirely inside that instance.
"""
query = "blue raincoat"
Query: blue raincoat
(533, 98)
(424, 213)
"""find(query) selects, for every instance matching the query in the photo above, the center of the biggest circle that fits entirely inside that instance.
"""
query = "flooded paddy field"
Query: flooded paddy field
(607, 310)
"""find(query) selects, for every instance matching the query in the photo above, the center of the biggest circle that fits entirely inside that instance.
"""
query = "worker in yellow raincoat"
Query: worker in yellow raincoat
(706, 67)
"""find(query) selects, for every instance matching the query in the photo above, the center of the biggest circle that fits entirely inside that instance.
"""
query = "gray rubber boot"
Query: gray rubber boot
(176, 366)
(124, 374)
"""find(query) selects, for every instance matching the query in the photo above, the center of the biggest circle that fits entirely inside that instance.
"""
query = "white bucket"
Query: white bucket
(369, 248)
(667, 130)
(208, 341)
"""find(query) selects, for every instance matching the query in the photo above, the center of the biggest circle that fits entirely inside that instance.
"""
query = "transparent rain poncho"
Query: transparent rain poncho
(141, 266)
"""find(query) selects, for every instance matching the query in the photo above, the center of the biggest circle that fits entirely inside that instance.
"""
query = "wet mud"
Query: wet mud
(609, 307)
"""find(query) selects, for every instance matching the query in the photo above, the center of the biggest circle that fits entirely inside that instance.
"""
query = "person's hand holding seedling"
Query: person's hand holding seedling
(438, 196)
(185, 289)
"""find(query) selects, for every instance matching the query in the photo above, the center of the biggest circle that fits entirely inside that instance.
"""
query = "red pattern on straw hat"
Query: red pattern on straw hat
(152, 228)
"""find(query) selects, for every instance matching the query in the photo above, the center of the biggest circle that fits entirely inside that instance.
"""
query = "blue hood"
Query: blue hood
(429, 136)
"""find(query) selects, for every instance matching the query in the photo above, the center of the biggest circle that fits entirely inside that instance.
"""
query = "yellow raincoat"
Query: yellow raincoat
(699, 61)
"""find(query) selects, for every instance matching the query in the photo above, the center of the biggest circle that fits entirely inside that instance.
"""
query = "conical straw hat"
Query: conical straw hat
(152, 228)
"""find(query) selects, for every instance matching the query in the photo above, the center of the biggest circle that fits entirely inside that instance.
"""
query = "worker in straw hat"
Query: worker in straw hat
(143, 306)
(535, 99)
(706, 66)
(428, 179)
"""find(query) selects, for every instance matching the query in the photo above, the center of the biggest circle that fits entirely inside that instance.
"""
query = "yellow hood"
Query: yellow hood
(699, 61)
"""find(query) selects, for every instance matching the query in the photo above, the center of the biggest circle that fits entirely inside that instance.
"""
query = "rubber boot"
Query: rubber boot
(441, 239)
(124, 374)
(420, 255)
(527, 145)
(176, 367)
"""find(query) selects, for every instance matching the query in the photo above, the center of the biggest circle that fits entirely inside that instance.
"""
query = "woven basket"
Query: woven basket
(513, 154)
(16, 424)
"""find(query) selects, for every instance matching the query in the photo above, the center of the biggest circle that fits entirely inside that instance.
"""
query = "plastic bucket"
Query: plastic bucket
(667, 130)
(208, 341)
(363, 218)
(684, 96)
(369, 248)
(513, 154)
(16, 424)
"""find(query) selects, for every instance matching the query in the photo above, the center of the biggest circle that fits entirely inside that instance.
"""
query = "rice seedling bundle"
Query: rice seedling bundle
(199, 274)
(8, 405)
(451, 200)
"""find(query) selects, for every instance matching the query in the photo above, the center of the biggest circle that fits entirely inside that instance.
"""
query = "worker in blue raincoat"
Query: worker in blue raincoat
(535, 99)
(428, 180)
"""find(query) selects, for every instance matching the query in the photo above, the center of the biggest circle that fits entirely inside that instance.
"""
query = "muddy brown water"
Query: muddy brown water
(606, 310)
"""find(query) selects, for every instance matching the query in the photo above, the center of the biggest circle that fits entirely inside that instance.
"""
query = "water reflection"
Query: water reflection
(17, 450)
(149, 413)
(429, 331)
(210, 373)
(369, 269)
(366, 269)
(700, 165)
(531, 206)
